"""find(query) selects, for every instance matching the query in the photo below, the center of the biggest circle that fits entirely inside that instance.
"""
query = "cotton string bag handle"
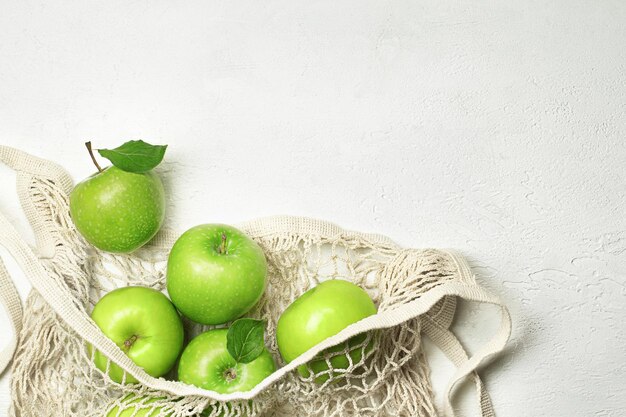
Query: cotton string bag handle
(28, 166)
(10, 300)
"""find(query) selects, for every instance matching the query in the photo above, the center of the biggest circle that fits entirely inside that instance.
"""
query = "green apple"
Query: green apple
(136, 411)
(319, 313)
(215, 273)
(206, 363)
(145, 325)
(118, 211)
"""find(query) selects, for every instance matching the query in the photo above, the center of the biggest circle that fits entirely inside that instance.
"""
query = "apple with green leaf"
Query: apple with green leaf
(120, 208)
(215, 273)
(145, 325)
(227, 360)
(319, 313)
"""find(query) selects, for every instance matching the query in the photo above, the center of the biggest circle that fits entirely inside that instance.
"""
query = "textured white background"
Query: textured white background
(496, 128)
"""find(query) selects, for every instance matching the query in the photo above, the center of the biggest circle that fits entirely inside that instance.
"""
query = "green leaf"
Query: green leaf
(244, 340)
(135, 156)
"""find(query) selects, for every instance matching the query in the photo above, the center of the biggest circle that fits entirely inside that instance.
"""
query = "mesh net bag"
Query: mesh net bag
(53, 372)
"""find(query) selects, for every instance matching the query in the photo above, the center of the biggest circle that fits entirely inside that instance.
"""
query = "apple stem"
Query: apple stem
(93, 158)
(128, 343)
(222, 248)
(230, 374)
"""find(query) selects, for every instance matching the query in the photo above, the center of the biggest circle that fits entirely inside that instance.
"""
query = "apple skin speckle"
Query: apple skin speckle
(118, 211)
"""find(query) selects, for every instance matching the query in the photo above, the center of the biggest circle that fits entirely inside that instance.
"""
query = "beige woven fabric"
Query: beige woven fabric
(415, 291)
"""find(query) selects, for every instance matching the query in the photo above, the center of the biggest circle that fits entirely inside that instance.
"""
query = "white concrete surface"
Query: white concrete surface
(496, 128)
